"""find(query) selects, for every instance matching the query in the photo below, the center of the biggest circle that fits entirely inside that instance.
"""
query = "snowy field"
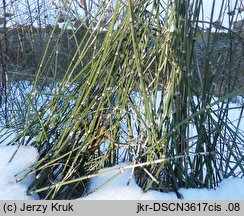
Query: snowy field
(229, 189)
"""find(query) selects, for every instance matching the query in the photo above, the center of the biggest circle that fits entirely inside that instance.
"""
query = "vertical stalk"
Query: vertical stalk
(3, 58)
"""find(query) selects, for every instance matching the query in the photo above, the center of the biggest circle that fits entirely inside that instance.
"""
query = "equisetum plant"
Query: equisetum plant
(148, 84)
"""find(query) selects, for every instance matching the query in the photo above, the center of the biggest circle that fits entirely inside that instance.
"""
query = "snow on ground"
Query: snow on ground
(25, 157)
(229, 189)
(117, 189)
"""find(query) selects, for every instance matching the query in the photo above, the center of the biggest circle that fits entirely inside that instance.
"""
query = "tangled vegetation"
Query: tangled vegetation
(137, 94)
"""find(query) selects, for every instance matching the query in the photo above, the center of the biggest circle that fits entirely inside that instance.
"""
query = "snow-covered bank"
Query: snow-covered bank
(117, 189)
(25, 157)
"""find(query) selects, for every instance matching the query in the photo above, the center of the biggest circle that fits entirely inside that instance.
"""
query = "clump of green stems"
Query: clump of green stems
(135, 96)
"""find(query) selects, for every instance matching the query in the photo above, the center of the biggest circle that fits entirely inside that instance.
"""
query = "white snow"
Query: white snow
(229, 189)
(25, 157)
(117, 189)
